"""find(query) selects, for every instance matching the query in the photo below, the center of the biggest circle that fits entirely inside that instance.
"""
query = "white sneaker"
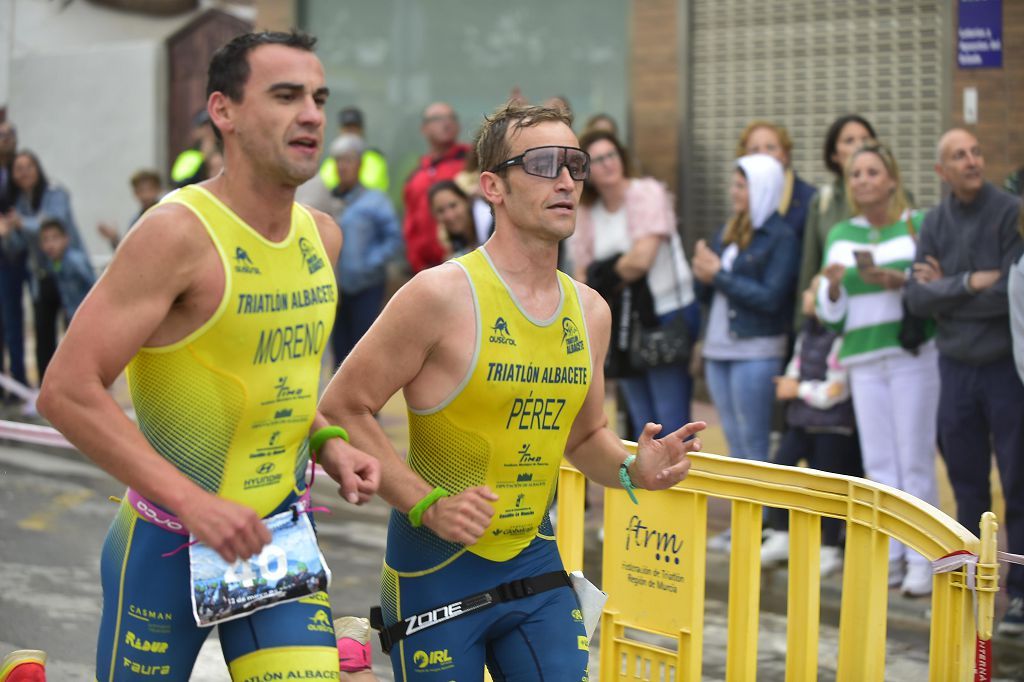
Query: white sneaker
(918, 581)
(775, 548)
(830, 560)
(721, 542)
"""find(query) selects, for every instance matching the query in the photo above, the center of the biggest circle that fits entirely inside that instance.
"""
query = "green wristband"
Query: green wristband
(317, 440)
(416, 513)
(625, 480)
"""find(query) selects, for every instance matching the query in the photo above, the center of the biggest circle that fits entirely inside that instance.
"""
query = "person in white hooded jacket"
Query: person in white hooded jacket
(748, 275)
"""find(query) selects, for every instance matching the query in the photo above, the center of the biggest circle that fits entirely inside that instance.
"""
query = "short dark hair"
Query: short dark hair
(52, 223)
(229, 67)
(832, 139)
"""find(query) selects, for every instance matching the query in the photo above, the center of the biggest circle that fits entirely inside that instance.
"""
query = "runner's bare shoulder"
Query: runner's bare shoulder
(438, 294)
(167, 243)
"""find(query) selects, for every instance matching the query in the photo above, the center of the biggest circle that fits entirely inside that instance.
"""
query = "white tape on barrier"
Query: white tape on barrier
(33, 433)
(19, 389)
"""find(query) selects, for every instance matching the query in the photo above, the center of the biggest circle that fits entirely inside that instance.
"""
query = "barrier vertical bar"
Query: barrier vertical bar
(803, 597)
(987, 587)
(569, 532)
(862, 619)
(951, 639)
(691, 644)
(744, 592)
(611, 631)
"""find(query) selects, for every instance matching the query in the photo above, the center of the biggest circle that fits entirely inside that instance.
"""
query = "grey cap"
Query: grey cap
(347, 144)
(350, 116)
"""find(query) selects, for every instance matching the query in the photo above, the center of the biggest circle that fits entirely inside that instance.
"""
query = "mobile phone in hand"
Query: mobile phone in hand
(865, 259)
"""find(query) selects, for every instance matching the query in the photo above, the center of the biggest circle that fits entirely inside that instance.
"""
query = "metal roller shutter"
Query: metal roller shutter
(802, 63)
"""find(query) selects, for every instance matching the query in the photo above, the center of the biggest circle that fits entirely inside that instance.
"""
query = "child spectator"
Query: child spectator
(821, 427)
(70, 265)
(147, 188)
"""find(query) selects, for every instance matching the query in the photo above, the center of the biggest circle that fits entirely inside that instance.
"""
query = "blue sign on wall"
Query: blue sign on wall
(980, 34)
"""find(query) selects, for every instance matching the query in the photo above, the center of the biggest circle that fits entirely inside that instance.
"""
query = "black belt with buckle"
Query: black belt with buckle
(510, 591)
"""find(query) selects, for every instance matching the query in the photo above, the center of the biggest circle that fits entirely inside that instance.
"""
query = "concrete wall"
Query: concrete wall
(86, 89)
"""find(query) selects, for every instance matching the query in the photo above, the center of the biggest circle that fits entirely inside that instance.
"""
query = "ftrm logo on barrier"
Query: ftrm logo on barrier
(666, 545)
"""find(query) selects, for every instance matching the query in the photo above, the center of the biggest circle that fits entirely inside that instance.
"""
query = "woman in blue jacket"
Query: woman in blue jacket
(748, 274)
(35, 199)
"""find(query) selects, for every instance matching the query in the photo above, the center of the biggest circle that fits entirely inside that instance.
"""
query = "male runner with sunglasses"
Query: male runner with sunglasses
(500, 359)
(219, 302)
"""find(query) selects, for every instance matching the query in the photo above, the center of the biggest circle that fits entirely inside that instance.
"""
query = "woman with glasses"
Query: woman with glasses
(36, 198)
(895, 391)
(626, 240)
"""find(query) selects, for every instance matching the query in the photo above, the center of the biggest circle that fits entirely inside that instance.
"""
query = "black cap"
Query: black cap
(350, 116)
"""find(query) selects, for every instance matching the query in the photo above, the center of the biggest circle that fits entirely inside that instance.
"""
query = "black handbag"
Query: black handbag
(913, 328)
(665, 344)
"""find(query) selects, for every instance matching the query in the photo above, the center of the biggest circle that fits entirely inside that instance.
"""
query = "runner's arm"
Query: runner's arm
(357, 473)
(389, 357)
(156, 266)
(596, 450)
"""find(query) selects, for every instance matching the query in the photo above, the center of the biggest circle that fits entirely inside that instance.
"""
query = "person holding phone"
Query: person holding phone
(895, 391)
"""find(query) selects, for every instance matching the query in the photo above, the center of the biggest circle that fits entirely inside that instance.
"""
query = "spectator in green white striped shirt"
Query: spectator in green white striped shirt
(895, 390)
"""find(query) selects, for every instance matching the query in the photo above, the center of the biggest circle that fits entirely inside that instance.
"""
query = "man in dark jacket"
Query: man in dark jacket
(967, 246)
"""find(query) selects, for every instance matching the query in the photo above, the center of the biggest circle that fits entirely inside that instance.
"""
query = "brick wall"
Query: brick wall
(1000, 127)
(654, 89)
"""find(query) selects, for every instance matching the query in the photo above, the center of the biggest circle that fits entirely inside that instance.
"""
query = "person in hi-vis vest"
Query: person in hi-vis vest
(373, 174)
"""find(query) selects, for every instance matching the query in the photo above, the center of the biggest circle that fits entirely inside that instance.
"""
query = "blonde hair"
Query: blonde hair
(898, 202)
(739, 230)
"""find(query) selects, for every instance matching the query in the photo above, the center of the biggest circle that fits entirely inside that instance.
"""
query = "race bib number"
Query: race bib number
(289, 568)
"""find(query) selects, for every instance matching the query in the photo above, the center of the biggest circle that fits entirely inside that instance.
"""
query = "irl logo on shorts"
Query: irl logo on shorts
(423, 659)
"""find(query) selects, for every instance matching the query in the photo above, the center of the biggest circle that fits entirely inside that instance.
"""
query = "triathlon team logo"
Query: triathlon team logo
(571, 336)
(243, 263)
(500, 333)
(312, 259)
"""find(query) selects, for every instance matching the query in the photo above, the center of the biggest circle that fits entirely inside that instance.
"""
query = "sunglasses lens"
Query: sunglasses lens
(578, 163)
(547, 162)
(542, 162)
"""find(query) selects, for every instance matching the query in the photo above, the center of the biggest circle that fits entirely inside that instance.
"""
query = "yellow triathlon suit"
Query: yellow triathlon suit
(230, 406)
(504, 426)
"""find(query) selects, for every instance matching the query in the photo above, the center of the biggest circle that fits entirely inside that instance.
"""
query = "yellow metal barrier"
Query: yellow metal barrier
(655, 559)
